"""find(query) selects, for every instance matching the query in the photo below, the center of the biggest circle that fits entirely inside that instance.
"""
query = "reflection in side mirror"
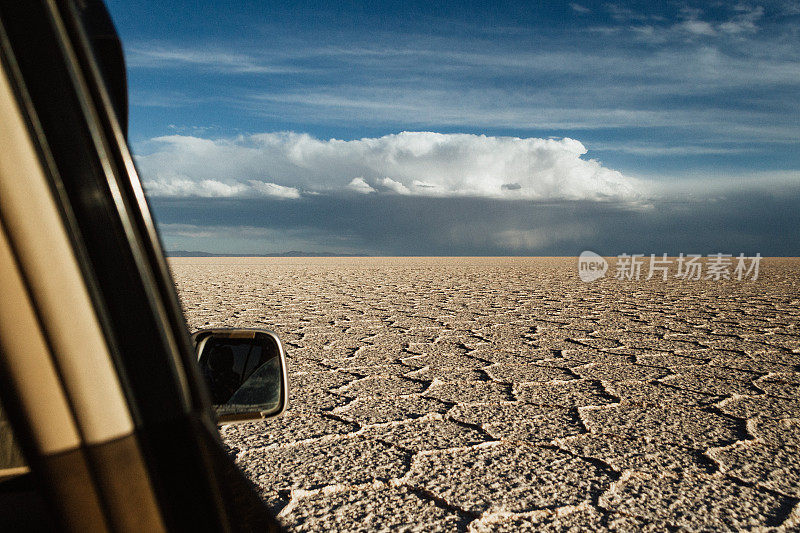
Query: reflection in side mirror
(245, 370)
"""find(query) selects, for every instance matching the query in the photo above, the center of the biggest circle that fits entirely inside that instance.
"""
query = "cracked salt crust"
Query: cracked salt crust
(506, 395)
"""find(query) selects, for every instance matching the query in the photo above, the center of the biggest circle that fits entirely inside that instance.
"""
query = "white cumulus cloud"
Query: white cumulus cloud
(395, 186)
(288, 165)
(272, 189)
(359, 185)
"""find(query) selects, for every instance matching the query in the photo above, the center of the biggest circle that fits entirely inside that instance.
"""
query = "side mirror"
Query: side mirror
(245, 370)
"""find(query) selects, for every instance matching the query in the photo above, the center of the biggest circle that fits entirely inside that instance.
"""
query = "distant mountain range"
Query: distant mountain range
(292, 253)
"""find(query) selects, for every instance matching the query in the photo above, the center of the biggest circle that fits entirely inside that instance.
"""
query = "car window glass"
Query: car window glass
(22, 506)
(11, 461)
(228, 363)
(259, 392)
(253, 360)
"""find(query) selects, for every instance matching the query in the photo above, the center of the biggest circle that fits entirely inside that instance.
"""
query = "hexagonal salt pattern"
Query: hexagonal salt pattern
(375, 507)
(506, 395)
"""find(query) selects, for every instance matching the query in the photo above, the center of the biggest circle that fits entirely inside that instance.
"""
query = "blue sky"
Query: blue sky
(559, 123)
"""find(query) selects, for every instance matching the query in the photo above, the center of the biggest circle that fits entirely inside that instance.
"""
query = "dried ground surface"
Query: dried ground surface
(506, 395)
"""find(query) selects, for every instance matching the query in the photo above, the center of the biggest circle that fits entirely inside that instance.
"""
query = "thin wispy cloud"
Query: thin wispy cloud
(577, 8)
(498, 108)
(667, 151)
(165, 56)
(737, 81)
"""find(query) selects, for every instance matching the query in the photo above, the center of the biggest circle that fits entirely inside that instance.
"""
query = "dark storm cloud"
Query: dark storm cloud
(396, 225)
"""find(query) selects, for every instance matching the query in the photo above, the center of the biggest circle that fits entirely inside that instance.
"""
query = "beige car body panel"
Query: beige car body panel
(56, 355)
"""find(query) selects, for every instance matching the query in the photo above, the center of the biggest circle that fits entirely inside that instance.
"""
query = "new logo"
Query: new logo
(591, 266)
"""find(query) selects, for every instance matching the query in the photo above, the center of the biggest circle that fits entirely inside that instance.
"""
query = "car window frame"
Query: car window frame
(75, 126)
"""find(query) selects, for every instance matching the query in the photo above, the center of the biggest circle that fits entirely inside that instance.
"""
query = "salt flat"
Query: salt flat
(504, 394)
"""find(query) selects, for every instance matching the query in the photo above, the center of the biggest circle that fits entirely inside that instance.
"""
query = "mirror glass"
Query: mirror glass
(244, 371)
